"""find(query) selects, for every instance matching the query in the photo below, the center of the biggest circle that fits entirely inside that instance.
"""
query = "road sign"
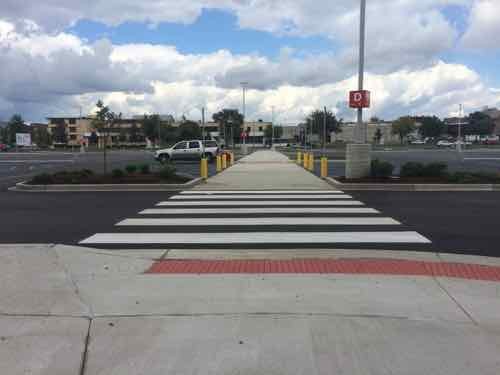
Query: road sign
(359, 99)
(23, 139)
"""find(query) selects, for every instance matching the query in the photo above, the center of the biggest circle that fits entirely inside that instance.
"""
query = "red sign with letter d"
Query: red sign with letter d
(359, 99)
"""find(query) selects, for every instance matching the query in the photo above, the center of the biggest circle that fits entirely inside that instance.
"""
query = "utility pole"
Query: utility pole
(361, 136)
(244, 87)
(358, 154)
(272, 126)
(203, 128)
(324, 133)
(459, 138)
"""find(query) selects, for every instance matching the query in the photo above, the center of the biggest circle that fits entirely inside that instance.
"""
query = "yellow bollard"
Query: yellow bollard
(299, 158)
(311, 162)
(224, 161)
(219, 164)
(324, 167)
(306, 162)
(204, 168)
(231, 159)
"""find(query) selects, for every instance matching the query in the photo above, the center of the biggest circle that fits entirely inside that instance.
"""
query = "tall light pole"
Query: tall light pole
(244, 88)
(361, 131)
(272, 126)
(459, 138)
(324, 133)
(358, 154)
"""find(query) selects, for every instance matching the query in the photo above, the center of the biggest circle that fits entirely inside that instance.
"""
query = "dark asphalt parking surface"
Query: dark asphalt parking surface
(461, 222)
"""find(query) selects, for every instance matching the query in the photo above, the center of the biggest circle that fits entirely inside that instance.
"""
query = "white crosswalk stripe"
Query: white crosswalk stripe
(232, 221)
(277, 218)
(257, 238)
(266, 196)
(259, 192)
(259, 210)
(262, 203)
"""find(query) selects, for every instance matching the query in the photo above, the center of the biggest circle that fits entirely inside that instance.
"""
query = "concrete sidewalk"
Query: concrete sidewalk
(61, 305)
(265, 170)
(68, 310)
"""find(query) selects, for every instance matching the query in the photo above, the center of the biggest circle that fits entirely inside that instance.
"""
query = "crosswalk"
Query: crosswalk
(259, 219)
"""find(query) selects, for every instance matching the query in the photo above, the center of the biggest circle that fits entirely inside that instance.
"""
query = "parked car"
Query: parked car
(417, 142)
(188, 150)
(445, 143)
(3, 147)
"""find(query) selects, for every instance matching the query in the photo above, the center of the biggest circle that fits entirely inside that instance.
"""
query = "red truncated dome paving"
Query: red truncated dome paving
(328, 266)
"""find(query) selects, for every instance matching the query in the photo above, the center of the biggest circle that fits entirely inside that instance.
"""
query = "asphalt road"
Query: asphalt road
(15, 167)
(462, 222)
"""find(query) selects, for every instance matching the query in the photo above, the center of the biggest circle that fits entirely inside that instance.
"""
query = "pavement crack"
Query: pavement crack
(459, 305)
(73, 282)
(85, 349)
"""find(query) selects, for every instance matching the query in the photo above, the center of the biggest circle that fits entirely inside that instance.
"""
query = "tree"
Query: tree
(316, 120)
(273, 132)
(479, 124)
(403, 127)
(15, 125)
(189, 130)
(431, 127)
(40, 136)
(103, 122)
(230, 123)
(151, 126)
(378, 136)
(375, 120)
(134, 133)
(3, 135)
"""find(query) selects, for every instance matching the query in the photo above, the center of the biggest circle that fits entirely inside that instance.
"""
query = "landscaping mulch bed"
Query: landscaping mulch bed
(99, 179)
(453, 179)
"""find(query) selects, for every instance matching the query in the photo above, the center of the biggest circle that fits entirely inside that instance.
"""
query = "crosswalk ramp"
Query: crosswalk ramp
(259, 219)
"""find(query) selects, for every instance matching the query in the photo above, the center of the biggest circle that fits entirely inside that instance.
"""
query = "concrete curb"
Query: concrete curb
(25, 188)
(411, 187)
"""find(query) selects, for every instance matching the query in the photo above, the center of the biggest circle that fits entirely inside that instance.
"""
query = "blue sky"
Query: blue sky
(213, 30)
(422, 57)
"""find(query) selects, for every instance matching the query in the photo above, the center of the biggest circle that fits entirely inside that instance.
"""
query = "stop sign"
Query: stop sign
(359, 99)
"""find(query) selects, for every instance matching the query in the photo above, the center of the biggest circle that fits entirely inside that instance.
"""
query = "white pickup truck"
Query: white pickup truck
(188, 150)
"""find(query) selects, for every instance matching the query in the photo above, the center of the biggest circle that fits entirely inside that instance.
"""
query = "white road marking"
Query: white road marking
(249, 196)
(255, 238)
(261, 203)
(215, 192)
(251, 221)
(35, 161)
(260, 210)
(479, 159)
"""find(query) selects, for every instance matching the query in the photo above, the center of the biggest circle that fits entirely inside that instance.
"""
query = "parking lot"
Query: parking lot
(18, 166)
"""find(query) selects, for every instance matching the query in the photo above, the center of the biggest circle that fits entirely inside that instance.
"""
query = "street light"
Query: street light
(361, 135)
(244, 88)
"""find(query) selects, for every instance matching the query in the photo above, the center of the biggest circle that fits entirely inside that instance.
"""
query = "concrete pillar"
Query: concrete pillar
(358, 160)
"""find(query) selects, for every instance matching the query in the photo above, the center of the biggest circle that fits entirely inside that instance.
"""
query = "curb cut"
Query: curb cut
(411, 187)
(25, 188)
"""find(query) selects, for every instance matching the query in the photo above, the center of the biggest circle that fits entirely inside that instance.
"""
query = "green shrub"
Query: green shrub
(474, 178)
(131, 169)
(381, 168)
(435, 170)
(117, 173)
(42, 179)
(168, 171)
(412, 169)
(145, 169)
(87, 172)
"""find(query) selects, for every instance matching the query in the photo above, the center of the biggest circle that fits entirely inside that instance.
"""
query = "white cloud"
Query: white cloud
(54, 73)
(484, 26)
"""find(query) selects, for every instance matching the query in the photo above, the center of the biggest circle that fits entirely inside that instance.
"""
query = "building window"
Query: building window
(72, 121)
(72, 129)
(72, 137)
(260, 128)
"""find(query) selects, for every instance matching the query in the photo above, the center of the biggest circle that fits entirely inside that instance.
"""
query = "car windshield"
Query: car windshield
(210, 144)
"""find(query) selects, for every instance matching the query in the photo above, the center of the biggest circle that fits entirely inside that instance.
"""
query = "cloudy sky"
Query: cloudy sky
(176, 56)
